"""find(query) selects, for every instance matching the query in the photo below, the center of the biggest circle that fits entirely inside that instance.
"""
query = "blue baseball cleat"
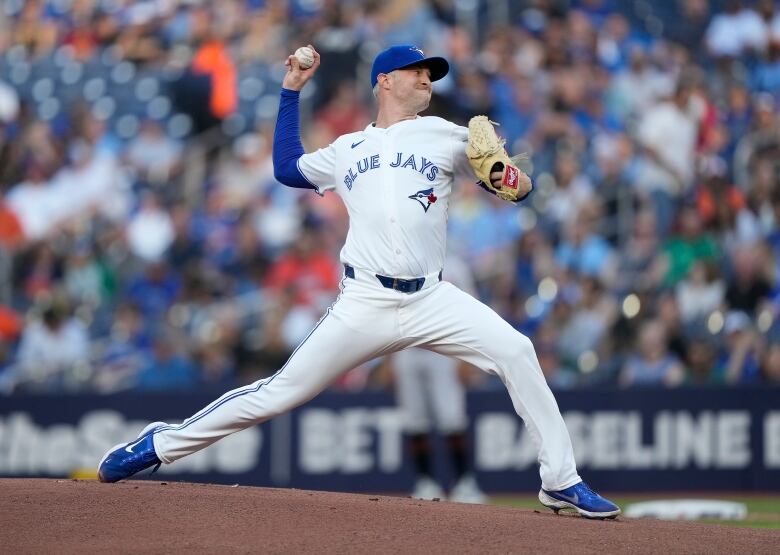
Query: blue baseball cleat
(580, 498)
(126, 459)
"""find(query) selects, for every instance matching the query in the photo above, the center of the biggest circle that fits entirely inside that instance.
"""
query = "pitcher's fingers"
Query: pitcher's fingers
(316, 56)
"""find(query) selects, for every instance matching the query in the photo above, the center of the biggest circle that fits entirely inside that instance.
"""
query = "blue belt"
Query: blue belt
(402, 285)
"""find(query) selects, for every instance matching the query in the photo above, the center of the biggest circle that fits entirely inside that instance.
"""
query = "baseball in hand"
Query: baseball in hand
(305, 56)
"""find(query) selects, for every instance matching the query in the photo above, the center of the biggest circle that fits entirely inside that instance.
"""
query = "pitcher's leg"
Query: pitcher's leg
(331, 349)
(456, 324)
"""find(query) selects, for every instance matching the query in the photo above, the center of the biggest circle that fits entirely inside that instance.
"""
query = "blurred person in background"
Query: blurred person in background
(667, 133)
(592, 317)
(736, 31)
(35, 29)
(770, 364)
(309, 272)
(183, 248)
(472, 220)
(125, 351)
(688, 244)
(154, 155)
(168, 368)
(690, 27)
(343, 113)
(701, 352)
(615, 159)
(246, 172)
(431, 397)
(266, 349)
(701, 292)
(214, 225)
(53, 353)
(38, 271)
(748, 286)
(641, 266)
(760, 142)
(739, 361)
(150, 231)
(666, 309)
(84, 276)
(153, 290)
(572, 190)
(651, 363)
(207, 91)
(547, 339)
(583, 251)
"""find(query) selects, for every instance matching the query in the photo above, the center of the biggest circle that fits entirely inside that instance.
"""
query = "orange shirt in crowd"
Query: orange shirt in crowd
(213, 58)
(308, 277)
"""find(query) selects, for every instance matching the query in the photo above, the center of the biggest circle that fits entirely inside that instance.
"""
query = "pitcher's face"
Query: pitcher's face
(411, 88)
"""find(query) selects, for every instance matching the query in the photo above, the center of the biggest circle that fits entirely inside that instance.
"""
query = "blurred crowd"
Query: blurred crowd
(144, 243)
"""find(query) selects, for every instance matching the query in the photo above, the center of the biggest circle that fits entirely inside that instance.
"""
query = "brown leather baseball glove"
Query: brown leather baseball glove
(486, 153)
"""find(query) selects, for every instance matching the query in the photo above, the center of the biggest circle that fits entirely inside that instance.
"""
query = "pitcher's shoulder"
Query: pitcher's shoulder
(438, 123)
(348, 139)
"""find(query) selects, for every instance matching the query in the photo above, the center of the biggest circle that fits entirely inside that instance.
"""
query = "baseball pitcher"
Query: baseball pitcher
(396, 179)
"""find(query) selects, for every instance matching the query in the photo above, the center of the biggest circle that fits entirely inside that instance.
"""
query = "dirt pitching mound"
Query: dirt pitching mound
(67, 516)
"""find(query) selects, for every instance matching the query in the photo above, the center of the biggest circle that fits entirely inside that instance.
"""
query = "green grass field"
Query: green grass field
(763, 511)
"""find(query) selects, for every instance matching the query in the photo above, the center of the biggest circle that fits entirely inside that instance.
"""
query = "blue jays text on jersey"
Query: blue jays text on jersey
(414, 162)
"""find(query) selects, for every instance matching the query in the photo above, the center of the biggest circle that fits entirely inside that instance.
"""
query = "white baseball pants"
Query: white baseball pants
(367, 321)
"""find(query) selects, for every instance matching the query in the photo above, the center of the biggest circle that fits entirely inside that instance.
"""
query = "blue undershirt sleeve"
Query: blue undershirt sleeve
(287, 147)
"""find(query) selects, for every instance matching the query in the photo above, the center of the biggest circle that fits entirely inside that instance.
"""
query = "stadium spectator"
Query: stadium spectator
(739, 363)
(748, 287)
(688, 245)
(167, 369)
(701, 353)
(770, 364)
(155, 156)
(652, 364)
(641, 266)
(700, 293)
(736, 31)
(53, 352)
(583, 251)
(571, 192)
(667, 133)
(311, 274)
(246, 174)
(150, 231)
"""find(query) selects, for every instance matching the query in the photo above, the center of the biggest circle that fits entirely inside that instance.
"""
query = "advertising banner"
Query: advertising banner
(638, 440)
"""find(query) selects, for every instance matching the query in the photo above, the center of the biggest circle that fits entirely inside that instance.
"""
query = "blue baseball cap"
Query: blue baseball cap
(405, 55)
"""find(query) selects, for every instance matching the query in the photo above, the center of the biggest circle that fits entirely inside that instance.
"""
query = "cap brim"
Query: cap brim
(439, 66)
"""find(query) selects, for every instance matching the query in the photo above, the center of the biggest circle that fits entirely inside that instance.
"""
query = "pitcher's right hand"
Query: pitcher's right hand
(296, 78)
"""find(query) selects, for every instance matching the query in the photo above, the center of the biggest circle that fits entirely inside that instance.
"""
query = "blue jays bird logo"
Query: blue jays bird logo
(424, 197)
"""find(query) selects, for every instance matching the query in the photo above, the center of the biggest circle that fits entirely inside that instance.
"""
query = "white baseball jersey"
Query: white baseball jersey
(396, 184)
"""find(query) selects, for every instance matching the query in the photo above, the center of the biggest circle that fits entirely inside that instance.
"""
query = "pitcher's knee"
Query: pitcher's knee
(514, 348)
(524, 346)
(517, 349)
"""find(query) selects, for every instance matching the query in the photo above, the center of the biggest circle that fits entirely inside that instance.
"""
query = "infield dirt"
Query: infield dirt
(68, 516)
